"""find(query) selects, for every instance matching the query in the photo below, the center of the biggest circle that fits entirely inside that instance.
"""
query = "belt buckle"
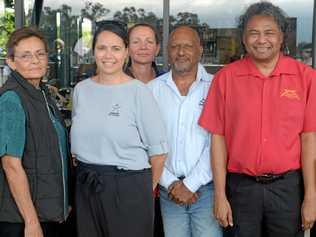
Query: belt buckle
(181, 177)
(265, 178)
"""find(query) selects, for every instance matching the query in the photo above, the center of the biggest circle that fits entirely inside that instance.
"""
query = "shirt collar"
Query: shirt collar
(283, 66)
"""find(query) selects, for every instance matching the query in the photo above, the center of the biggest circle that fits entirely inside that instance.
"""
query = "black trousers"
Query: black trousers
(50, 229)
(114, 203)
(265, 209)
(313, 231)
(158, 225)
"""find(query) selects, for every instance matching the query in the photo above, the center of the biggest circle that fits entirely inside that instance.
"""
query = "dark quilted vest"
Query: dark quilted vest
(41, 158)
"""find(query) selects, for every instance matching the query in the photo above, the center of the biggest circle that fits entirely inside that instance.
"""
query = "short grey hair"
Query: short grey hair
(266, 9)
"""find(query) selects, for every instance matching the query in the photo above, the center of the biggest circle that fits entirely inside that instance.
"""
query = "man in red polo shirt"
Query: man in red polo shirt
(261, 111)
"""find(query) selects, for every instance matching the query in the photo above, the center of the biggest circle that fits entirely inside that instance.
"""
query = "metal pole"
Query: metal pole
(166, 13)
(19, 13)
(36, 14)
(314, 36)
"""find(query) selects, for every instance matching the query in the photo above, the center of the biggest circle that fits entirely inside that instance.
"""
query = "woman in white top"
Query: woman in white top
(119, 139)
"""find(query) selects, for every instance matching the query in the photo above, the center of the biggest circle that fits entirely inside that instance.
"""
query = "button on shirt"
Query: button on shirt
(189, 144)
(262, 117)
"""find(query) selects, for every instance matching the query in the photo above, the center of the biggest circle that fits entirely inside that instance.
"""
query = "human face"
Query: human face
(110, 53)
(143, 47)
(263, 39)
(29, 59)
(184, 50)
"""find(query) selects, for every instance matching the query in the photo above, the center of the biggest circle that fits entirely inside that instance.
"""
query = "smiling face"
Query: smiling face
(263, 39)
(143, 47)
(29, 58)
(184, 50)
(110, 53)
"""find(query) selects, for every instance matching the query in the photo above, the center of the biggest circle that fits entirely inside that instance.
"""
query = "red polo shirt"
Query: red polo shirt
(262, 117)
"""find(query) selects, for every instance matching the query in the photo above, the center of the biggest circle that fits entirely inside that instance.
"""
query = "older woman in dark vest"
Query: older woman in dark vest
(33, 148)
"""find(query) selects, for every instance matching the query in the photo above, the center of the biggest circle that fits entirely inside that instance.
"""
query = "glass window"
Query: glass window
(69, 26)
(6, 27)
(6, 24)
(216, 22)
(28, 9)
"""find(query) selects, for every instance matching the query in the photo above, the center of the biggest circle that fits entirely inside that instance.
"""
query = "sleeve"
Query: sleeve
(309, 117)
(150, 124)
(167, 178)
(213, 115)
(12, 125)
(201, 174)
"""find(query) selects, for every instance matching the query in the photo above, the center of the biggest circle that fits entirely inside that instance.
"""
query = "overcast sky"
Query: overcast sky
(216, 13)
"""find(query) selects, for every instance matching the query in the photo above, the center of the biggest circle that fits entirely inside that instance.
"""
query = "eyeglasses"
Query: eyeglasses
(28, 57)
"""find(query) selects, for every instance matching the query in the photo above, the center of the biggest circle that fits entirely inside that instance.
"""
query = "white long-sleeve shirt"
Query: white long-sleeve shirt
(189, 144)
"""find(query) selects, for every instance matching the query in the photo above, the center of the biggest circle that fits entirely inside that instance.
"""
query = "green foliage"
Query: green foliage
(6, 28)
(133, 15)
(94, 11)
(187, 18)
(9, 3)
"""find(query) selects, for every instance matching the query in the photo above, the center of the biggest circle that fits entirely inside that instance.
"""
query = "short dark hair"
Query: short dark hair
(21, 34)
(266, 9)
(117, 27)
(143, 24)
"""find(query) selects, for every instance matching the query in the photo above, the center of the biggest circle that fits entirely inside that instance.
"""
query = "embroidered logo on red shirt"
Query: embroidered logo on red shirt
(291, 94)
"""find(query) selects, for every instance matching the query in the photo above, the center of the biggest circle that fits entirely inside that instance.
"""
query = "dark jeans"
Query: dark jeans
(114, 203)
(50, 229)
(265, 209)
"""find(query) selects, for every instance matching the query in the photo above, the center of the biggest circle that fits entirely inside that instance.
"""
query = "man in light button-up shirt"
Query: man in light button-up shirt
(186, 189)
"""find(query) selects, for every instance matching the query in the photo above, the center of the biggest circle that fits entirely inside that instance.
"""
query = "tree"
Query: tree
(187, 18)
(128, 15)
(9, 3)
(6, 28)
(133, 15)
(94, 11)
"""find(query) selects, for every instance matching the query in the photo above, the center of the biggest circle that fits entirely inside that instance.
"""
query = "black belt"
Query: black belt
(268, 178)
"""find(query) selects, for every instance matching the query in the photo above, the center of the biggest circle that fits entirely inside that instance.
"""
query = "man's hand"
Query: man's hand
(308, 213)
(223, 212)
(180, 194)
(33, 230)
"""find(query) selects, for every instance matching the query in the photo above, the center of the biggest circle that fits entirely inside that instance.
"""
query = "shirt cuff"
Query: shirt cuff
(166, 180)
(159, 149)
(11, 154)
(192, 184)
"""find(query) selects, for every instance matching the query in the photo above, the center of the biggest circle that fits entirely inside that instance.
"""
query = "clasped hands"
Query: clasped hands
(180, 194)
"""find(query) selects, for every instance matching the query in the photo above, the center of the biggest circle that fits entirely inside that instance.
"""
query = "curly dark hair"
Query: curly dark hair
(266, 9)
